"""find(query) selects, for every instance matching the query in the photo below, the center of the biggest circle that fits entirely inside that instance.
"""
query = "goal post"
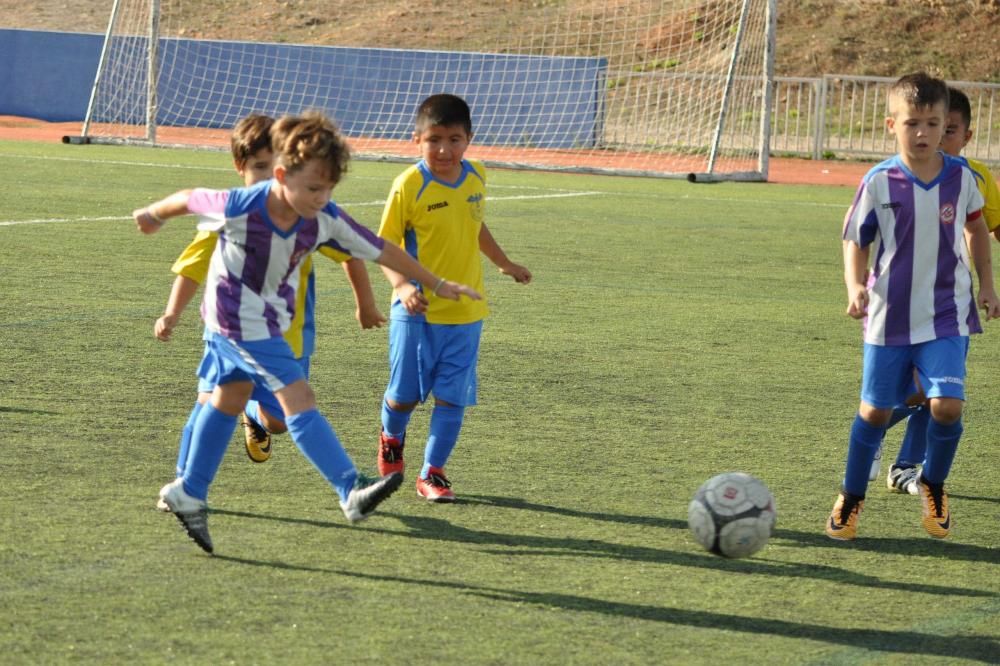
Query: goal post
(673, 88)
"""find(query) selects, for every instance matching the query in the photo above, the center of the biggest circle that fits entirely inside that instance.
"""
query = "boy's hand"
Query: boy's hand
(369, 316)
(453, 290)
(990, 303)
(164, 326)
(412, 299)
(145, 221)
(857, 301)
(518, 272)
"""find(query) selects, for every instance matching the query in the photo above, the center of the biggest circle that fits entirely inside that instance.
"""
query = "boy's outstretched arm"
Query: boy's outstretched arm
(181, 293)
(978, 237)
(855, 270)
(402, 267)
(366, 312)
(149, 219)
(489, 246)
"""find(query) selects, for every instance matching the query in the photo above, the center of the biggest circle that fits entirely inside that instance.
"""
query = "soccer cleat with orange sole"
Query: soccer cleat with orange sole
(934, 503)
(843, 521)
(257, 440)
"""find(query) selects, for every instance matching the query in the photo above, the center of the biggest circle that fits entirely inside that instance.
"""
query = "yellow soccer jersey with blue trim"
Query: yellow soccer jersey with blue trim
(193, 264)
(991, 193)
(438, 224)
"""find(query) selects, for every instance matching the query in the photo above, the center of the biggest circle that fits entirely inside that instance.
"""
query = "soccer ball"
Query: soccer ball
(732, 514)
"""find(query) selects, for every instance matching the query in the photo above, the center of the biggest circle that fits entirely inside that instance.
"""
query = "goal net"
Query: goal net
(645, 87)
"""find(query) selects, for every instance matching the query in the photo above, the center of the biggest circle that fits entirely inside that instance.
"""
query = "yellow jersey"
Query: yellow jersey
(438, 224)
(991, 193)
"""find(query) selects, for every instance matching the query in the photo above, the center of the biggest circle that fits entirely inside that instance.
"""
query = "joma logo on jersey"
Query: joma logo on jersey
(435, 206)
(892, 205)
(947, 213)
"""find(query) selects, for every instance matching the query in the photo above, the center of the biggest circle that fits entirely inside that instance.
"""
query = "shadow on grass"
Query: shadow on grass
(437, 529)
(19, 410)
(971, 647)
(975, 498)
(516, 503)
(281, 519)
(916, 546)
(924, 545)
(507, 544)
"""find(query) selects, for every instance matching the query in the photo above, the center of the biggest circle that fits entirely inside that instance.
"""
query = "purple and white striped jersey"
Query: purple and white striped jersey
(920, 287)
(253, 274)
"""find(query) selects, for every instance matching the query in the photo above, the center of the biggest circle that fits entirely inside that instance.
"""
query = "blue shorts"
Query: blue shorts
(270, 364)
(433, 358)
(887, 376)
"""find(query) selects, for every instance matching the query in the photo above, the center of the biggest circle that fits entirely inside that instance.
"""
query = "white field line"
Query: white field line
(347, 206)
(551, 192)
(163, 165)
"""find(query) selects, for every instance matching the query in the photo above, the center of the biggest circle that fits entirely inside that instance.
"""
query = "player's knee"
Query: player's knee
(296, 398)
(401, 406)
(946, 410)
(875, 416)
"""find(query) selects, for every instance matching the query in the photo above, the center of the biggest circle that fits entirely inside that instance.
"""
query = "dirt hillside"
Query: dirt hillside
(956, 39)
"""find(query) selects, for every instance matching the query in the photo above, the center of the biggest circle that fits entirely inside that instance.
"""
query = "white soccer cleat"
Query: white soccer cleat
(903, 479)
(190, 511)
(367, 494)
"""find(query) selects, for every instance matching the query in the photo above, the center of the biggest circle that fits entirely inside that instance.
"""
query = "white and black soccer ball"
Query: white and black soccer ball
(732, 514)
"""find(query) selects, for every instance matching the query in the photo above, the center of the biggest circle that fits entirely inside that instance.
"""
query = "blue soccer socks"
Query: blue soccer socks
(185, 445)
(898, 414)
(446, 422)
(209, 438)
(864, 443)
(312, 433)
(942, 443)
(914, 446)
(394, 421)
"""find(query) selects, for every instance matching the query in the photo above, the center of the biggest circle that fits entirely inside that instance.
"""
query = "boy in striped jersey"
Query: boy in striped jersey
(253, 159)
(918, 305)
(265, 232)
(903, 474)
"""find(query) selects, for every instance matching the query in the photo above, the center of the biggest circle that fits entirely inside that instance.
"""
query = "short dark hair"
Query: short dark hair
(444, 109)
(957, 101)
(251, 134)
(920, 90)
(312, 136)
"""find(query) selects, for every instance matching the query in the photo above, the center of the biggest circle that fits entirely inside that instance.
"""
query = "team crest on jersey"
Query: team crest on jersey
(297, 256)
(947, 213)
(475, 202)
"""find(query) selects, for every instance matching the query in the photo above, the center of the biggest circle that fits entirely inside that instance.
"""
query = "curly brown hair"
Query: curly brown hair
(251, 134)
(296, 140)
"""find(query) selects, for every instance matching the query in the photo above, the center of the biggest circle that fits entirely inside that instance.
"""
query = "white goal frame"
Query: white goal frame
(668, 88)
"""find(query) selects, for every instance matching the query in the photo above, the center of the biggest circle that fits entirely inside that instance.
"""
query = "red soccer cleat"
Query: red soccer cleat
(436, 487)
(390, 454)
